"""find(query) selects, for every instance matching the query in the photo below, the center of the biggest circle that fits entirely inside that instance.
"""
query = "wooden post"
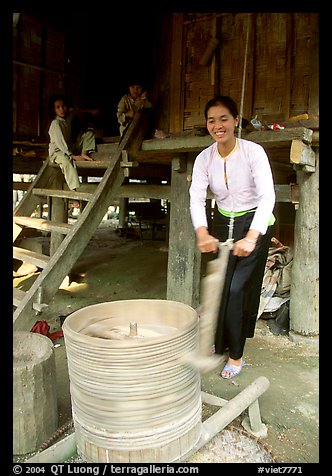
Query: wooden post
(58, 213)
(305, 269)
(123, 213)
(184, 259)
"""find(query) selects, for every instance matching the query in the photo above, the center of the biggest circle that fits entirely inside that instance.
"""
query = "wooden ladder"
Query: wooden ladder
(70, 240)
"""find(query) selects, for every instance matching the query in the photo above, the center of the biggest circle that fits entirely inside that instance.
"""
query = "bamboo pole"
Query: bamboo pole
(244, 77)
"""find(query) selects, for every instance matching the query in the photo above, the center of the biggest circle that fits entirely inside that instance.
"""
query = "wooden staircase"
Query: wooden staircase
(67, 240)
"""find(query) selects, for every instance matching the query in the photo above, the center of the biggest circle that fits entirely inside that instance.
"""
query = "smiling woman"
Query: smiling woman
(238, 173)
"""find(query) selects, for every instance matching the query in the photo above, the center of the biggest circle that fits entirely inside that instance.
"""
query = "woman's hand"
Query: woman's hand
(243, 247)
(130, 114)
(206, 243)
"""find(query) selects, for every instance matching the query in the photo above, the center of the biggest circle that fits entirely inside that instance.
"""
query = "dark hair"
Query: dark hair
(225, 101)
(134, 82)
(51, 102)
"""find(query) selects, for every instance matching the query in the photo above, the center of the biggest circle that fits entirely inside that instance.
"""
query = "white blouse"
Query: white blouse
(60, 135)
(240, 182)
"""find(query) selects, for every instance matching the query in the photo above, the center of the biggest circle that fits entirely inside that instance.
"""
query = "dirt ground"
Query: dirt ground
(116, 268)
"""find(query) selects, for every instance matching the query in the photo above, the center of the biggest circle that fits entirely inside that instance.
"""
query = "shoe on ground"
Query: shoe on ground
(231, 370)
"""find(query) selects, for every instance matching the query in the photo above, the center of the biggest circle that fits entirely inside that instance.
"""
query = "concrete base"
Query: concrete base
(301, 339)
(35, 412)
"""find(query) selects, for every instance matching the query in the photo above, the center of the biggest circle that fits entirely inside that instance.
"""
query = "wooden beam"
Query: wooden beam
(31, 257)
(43, 225)
(133, 190)
(302, 154)
(279, 138)
(21, 186)
(73, 195)
(145, 191)
(57, 213)
(284, 192)
(87, 164)
(191, 143)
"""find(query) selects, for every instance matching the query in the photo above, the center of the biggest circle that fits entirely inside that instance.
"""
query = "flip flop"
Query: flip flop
(232, 370)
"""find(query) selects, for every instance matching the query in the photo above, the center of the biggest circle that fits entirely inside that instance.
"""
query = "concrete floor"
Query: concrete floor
(115, 268)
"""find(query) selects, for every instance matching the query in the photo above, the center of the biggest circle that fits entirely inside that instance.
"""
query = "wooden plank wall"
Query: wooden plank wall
(281, 72)
(271, 96)
(199, 80)
(281, 78)
(38, 72)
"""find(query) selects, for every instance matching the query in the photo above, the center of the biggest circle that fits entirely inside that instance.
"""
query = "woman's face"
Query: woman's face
(60, 108)
(220, 123)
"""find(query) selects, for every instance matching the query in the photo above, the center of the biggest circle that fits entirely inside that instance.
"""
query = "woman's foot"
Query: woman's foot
(232, 368)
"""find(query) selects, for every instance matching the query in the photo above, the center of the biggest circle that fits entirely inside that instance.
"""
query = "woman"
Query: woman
(238, 174)
(65, 148)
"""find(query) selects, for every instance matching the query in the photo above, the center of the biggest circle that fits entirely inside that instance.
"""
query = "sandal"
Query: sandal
(232, 370)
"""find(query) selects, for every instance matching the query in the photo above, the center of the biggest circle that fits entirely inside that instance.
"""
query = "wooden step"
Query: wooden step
(41, 224)
(92, 164)
(21, 186)
(88, 164)
(73, 195)
(31, 257)
(18, 296)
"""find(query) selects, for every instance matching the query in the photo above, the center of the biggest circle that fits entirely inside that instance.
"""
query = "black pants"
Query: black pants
(241, 295)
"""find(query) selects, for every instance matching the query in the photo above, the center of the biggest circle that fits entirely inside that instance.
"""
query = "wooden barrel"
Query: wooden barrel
(132, 398)
(35, 409)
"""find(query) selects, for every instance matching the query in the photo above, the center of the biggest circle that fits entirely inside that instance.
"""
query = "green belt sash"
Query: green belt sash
(240, 214)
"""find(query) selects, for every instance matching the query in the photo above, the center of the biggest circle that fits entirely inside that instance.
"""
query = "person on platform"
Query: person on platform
(135, 100)
(70, 139)
(132, 102)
